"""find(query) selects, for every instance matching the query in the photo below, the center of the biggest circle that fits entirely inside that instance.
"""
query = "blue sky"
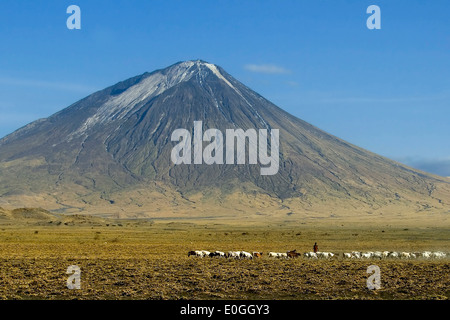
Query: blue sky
(385, 90)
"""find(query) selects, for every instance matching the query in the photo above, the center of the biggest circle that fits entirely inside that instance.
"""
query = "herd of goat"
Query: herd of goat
(321, 255)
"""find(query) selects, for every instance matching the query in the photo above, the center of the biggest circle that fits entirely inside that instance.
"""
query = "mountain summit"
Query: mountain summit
(110, 153)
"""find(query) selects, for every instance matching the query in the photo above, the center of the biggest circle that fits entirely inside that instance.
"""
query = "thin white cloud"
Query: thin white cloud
(369, 99)
(46, 84)
(292, 83)
(379, 100)
(266, 68)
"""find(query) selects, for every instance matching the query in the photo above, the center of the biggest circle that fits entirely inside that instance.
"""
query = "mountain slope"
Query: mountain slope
(110, 153)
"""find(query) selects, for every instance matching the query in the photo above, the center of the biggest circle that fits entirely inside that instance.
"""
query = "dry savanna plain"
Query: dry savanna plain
(148, 259)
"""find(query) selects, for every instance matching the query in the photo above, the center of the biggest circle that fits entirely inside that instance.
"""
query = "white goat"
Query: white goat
(246, 255)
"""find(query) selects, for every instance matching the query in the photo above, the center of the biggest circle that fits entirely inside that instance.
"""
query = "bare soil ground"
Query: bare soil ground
(151, 262)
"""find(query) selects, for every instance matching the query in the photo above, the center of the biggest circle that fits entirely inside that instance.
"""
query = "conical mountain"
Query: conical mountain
(110, 153)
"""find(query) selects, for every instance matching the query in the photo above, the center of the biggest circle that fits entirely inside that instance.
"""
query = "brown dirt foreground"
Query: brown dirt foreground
(153, 264)
(172, 278)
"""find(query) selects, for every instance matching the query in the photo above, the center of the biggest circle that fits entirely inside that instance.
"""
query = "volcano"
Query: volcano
(110, 154)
